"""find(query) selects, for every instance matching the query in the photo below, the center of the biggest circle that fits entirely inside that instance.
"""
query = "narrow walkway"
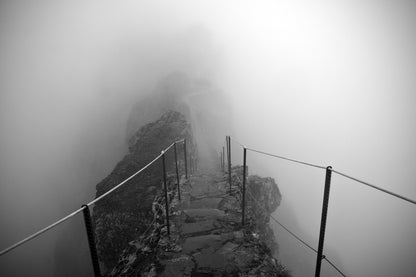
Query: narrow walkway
(202, 230)
(206, 228)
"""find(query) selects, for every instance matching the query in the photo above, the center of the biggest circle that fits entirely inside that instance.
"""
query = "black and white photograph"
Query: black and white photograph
(144, 138)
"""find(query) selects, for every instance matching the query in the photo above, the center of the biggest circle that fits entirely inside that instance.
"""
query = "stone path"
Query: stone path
(206, 229)
(203, 230)
(206, 236)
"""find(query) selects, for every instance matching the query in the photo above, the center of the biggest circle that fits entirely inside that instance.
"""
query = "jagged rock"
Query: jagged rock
(125, 214)
(206, 236)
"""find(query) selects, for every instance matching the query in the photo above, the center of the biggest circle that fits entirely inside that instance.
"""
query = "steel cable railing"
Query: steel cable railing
(374, 186)
(40, 232)
(333, 170)
(86, 206)
(294, 235)
(289, 231)
(329, 170)
(285, 158)
(276, 156)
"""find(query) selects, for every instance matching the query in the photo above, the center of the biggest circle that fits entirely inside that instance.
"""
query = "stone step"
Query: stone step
(198, 214)
(193, 244)
(205, 203)
(198, 227)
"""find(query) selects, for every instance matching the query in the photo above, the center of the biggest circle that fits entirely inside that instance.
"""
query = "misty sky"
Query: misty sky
(330, 82)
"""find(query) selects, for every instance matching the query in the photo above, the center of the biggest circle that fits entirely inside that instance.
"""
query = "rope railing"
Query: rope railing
(277, 156)
(329, 171)
(284, 227)
(333, 170)
(85, 208)
(375, 187)
(40, 232)
(289, 231)
(236, 141)
(287, 159)
(295, 236)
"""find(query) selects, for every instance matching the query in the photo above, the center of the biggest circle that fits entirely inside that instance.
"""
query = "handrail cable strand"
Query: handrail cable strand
(375, 187)
(295, 236)
(242, 145)
(285, 158)
(337, 172)
(38, 233)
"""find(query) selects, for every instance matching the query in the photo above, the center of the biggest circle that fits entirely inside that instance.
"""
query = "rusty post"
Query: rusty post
(323, 221)
(91, 241)
(166, 191)
(186, 164)
(177, 171)
(244, 184)
(223, 158)
(229, 161)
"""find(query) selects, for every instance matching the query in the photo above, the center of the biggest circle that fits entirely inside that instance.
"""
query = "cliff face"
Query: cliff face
(201, 102)
(207, 238)
(120, 217)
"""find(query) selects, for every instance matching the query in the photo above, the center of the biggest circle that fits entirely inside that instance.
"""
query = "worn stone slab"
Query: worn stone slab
(179, 266)
(210, 261)
(206, 203)
(198, 227)
(228, 248)
(192, 244)
(204, 213)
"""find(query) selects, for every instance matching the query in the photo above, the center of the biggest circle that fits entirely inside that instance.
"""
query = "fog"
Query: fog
(328, 83)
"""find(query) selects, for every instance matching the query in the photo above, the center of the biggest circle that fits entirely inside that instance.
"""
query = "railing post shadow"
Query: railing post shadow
(166, 192)
(244, 185)
(323, 221)
(91, 240)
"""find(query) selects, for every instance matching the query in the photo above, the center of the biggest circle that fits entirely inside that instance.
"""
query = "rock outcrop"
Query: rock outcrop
(206, 236)
(123, 215)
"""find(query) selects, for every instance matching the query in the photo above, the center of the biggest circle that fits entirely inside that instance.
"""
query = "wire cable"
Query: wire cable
(148, 228)
(242, 145)
(129, 178)
(275, 220)
(375, 187)
(297, 237)
(334, 266)
(285, 158)
(333, 170)
(38, 233)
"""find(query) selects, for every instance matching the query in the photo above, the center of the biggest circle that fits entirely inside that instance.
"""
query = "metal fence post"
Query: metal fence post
(244, 184)
(323, 221)
(220, 164)
(166, 192)
(229, 160)
(191, 165)
(228, 155)
(91, 240)
(223, 159)
(177, 171)
(184, 154)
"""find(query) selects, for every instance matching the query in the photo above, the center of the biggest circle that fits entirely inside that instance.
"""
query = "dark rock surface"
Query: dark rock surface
(126, 213)
(206, 235)
(207, 238)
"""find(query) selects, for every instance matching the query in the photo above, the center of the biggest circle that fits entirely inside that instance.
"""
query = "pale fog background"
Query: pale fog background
(329, 83)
